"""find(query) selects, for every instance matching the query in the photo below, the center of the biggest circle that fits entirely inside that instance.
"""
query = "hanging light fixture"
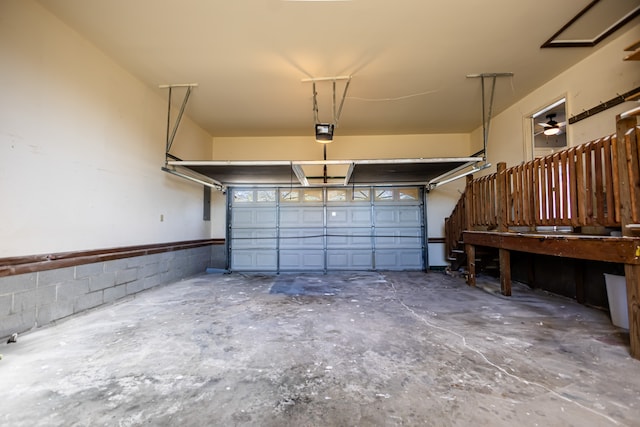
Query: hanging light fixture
(552, 127)
(324, 133)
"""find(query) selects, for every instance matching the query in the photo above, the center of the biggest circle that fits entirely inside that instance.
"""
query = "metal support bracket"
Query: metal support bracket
(171, 131)
(337, 108)
(486, 115)
(434, 183)
(191, 176)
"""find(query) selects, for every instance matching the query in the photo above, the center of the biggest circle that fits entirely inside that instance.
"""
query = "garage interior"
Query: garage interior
(299, 212)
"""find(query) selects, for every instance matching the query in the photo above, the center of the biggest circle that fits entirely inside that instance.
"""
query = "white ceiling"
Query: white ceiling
(409, 58)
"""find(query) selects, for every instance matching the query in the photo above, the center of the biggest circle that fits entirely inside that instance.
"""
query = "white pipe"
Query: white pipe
(472, 76)
(630, 113)
(217, 186)
(178, 85)
(325, 79)
(462, 175)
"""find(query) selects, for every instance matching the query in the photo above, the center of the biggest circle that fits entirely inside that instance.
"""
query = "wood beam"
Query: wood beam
(627, 147)
(623, 250)
(503, 205)
(505, 272)
(470, 250)
(34, 263)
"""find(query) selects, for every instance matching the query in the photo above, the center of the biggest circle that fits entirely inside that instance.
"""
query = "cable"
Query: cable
(399, 98)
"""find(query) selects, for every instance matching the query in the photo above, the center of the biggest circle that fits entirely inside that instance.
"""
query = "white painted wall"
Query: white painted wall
(598, 78)
(81, 146)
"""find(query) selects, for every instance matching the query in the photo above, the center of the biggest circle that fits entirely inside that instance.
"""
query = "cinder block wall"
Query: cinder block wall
(36, 299)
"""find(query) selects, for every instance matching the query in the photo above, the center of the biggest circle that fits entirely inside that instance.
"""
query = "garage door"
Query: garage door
(326, 229)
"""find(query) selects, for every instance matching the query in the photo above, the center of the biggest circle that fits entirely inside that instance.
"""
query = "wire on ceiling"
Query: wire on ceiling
(399, 98)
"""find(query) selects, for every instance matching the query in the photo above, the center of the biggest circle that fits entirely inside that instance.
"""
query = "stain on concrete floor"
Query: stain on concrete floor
(361, 349)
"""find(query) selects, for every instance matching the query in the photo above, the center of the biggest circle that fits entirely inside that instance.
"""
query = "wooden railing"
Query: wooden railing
(454, 226)
(575, 188)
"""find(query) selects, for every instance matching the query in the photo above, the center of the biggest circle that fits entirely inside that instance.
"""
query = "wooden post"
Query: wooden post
(470, 250)
(626, 162)
(503, 205)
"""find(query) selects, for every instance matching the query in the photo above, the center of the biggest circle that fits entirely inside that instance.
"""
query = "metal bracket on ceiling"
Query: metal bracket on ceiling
(486, 115)
(171, 132)
(198, 178)
(337, 108)
(434, 183)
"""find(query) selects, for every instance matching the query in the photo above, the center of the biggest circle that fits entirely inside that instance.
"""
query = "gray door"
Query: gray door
(324, 229)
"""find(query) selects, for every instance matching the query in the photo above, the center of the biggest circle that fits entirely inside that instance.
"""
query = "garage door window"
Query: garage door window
(384, 195)
(351, 195)
(251, 196)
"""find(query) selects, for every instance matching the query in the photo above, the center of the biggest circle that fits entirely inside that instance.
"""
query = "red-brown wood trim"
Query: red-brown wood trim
(32, 263)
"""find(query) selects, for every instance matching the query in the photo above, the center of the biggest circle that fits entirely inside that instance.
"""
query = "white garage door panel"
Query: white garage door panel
(303, 216)
(253, 239)
(349, 238)
(349, 259)
(298, 230)
(246, 217)
(302, 260)
(348, 216)
(311, 238)
(404, 216)
(254, 260)
(409, 259)
(398, 238)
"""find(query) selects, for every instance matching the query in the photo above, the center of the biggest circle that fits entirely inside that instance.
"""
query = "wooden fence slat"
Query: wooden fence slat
(633, 169)
(513, 190)
(557, 201)
(537, 199)
(608, 175)
(520, 178)
(573, 183)
(564, 188)
(599, 186)
(580, 185)
(528, 190)
(588, 184)
(616, 177)
(549, 189)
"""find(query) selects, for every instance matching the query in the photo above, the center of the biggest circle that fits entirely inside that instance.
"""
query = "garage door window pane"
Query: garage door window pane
(384, 195)
(408, 193)
(243, 196)
(289, 195)
(361, 195)
(336, 195)
(266, 196)
(314, 195)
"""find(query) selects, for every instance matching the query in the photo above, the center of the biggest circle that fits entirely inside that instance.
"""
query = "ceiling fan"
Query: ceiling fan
(552, 127)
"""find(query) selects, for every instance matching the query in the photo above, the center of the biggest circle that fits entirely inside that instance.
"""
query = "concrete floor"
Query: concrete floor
(356, 349)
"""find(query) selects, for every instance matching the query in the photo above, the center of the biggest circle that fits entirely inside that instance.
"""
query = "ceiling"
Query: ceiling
(408, 58)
